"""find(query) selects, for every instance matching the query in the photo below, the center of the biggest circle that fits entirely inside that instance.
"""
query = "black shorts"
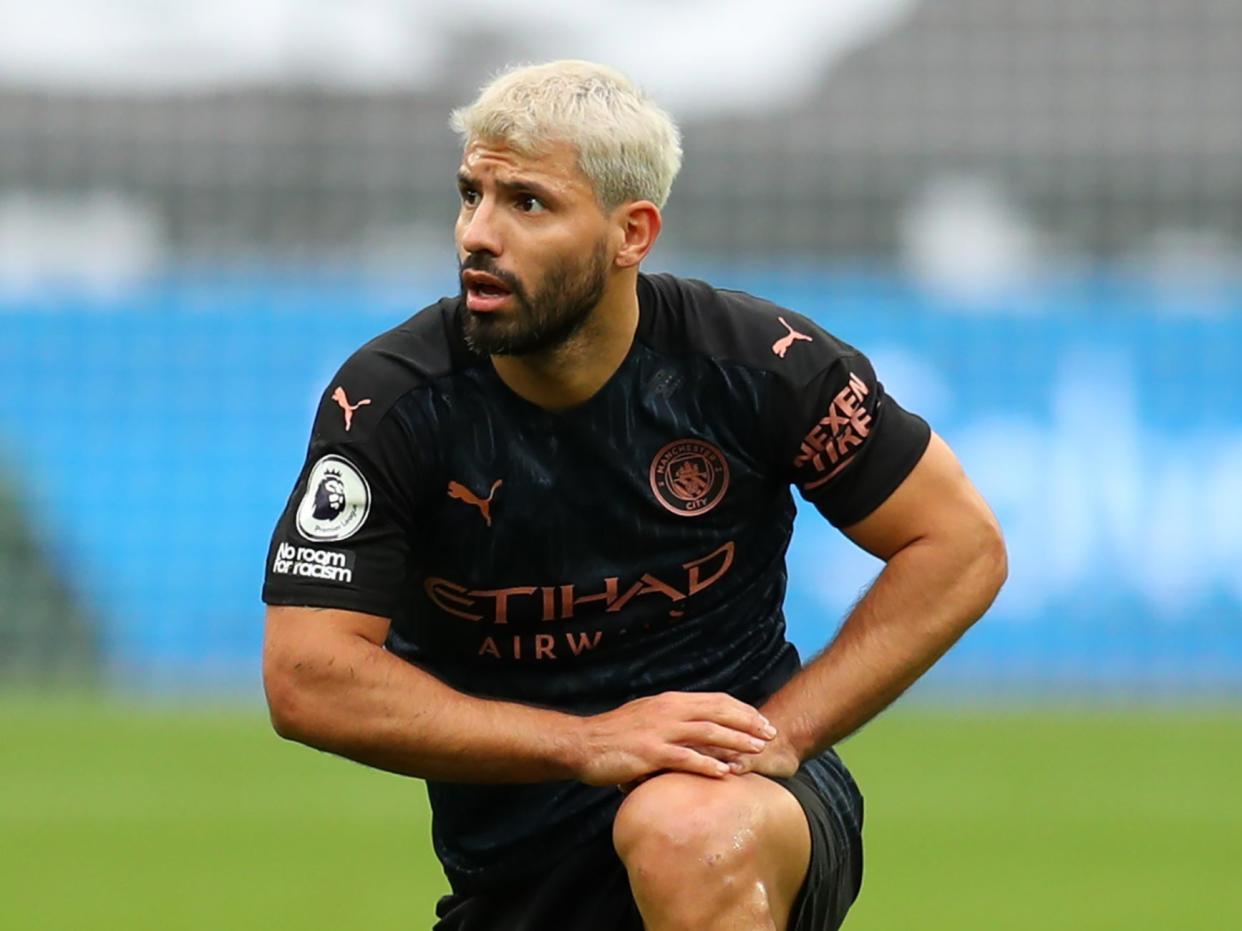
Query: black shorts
(589, 891)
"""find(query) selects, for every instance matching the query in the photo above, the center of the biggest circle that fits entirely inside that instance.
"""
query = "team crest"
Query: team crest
(336, 502)
(689, 477)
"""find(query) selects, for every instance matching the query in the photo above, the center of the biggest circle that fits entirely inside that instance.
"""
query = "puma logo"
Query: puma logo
(462, 493)
(781, 346)
(339, 397)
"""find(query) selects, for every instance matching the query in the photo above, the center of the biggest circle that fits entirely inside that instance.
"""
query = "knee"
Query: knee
(681, 831)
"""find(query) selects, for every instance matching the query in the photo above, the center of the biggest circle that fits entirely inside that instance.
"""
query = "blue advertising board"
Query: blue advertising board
(153, 437)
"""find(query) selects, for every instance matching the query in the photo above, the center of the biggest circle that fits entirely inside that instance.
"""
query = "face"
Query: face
(533, 248)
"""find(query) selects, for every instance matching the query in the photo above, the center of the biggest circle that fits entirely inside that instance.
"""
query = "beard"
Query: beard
(545, 319)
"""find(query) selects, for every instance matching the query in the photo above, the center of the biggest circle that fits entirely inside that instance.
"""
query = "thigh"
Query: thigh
(587, 890)
(833, 807)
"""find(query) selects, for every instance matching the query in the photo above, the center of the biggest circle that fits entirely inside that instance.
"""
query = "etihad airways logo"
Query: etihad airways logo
(520, 603)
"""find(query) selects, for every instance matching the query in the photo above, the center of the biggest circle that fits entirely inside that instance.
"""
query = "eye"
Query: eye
(469, 196)
(529, 203)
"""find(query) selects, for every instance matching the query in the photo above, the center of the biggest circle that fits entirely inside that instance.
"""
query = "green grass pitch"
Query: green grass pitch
(113, 816)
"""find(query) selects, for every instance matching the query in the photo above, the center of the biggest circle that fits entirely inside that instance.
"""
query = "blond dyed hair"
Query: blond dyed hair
(628, 147)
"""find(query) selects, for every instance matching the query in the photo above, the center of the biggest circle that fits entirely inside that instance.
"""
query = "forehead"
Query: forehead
(554, 165)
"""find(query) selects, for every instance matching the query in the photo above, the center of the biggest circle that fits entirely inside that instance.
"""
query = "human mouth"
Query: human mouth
(484, 293)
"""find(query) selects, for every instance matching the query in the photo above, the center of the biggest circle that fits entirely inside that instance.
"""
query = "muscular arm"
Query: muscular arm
(331, 685)
(945, 562)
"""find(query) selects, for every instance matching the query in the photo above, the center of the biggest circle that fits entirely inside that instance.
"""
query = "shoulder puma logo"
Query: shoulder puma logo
(781, 346)
(462, 493)
(339, 397)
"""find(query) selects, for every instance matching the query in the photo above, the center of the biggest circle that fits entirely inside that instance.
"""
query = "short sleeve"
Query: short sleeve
(846, 444)
(346, 536)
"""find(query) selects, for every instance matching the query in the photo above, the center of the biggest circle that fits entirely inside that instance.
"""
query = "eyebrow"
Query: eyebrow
(509, 187)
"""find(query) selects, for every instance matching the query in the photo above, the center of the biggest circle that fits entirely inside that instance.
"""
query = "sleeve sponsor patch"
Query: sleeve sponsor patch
(310, 562)
(336, 502)
(830, 445)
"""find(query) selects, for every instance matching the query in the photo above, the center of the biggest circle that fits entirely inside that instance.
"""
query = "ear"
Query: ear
(638, 223)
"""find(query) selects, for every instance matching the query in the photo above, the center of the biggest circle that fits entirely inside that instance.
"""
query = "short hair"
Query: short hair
(627, 146)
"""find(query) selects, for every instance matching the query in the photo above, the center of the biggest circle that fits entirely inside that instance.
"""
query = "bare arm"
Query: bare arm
(945, 562)
(331, 685)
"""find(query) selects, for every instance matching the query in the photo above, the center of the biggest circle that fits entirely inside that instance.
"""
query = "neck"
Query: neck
(571, 373)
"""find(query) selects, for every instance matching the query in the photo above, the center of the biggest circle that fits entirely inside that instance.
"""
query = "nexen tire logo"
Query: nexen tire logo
(312, 563)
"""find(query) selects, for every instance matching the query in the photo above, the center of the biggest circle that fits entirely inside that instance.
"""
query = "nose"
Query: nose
(478, 230)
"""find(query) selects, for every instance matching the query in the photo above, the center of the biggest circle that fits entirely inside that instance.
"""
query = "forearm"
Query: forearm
(926, 597)
(353, 698)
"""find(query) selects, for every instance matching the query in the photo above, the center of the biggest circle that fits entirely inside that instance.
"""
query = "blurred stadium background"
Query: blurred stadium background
(1028, 214)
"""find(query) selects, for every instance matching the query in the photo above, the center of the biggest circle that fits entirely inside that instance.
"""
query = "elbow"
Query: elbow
(283, 716)
(286, 706)
(992, 560)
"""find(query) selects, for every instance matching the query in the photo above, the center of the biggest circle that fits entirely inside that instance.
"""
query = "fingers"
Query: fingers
(716, 736)
(687, 760)
(707, 734)
(724, 709)
(778, 759)
(723, 728)
(738, 762)
(696, 766)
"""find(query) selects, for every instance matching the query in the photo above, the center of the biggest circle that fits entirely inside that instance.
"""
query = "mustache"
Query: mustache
(483, 262)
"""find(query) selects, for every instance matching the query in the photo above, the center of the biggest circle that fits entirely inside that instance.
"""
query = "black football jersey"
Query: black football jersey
(579, 559)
